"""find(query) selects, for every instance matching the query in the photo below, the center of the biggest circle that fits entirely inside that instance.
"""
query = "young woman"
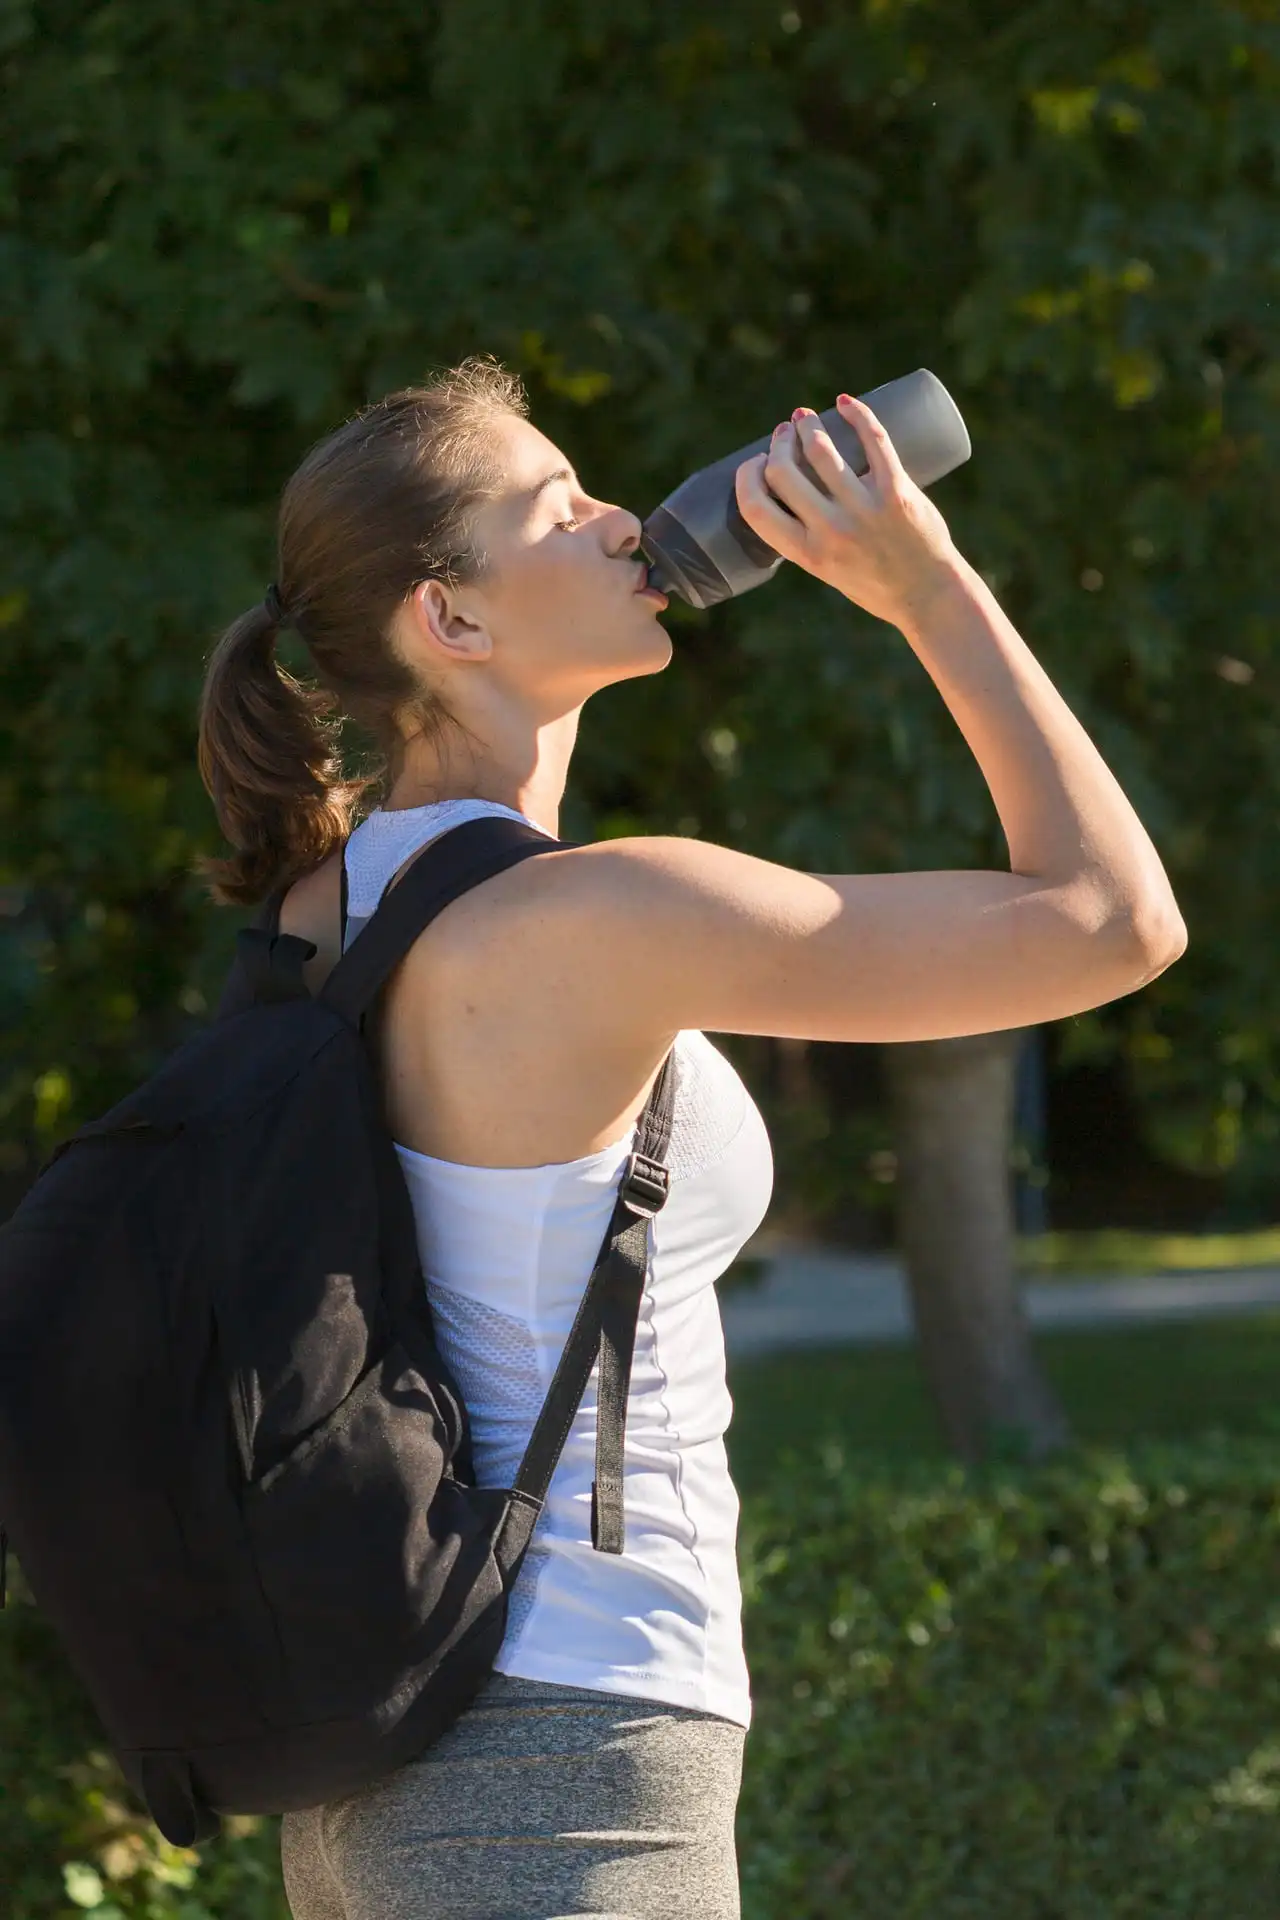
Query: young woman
(462, 595)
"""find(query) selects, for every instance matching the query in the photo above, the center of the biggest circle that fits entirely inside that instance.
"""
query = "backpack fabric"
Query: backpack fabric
(232, 1460)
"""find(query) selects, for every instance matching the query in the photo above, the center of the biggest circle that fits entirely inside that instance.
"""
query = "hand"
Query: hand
(876, 538)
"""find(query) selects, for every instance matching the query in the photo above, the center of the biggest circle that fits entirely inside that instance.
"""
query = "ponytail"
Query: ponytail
(268, 749)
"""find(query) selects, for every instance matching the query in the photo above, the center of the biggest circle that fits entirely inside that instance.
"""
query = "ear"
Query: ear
(441, 621)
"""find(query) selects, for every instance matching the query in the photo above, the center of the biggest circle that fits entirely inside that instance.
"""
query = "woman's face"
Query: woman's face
(561, 609)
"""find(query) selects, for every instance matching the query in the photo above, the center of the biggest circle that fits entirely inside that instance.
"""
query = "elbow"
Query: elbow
(1154, 935)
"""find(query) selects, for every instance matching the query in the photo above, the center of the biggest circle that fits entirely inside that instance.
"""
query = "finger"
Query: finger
(882, 456)
(783, 532)
(820, 450)
(786, 480)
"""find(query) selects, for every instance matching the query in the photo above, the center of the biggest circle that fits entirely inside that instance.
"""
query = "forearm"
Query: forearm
(1065, 817)
(882, 542)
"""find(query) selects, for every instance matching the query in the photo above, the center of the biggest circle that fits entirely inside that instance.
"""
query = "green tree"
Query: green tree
(226, 227)
(1117, 167)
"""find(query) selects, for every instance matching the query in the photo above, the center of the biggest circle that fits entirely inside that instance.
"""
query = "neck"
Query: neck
(526, 773)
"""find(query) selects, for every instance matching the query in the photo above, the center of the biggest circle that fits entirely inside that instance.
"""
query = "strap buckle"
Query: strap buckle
(644, 1186)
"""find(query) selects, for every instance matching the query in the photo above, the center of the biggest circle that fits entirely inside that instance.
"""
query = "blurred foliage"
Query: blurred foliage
(226, 226)
(1053, 1693)
(1116, 1251)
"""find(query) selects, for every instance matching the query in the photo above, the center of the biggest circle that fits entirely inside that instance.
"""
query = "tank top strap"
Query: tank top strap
(387, 837)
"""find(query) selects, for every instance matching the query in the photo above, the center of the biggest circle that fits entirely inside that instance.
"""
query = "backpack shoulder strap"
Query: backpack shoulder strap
(260, 953)
(605, 1326)
(449, 867)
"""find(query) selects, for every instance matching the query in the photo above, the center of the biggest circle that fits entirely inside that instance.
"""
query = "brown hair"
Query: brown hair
(384, 502)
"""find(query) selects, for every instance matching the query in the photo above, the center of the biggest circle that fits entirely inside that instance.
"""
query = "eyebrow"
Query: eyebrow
(548, 480)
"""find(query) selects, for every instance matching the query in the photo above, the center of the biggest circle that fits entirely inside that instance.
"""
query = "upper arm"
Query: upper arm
(690, 934)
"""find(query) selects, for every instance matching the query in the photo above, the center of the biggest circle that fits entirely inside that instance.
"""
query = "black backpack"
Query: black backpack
(232, 1460)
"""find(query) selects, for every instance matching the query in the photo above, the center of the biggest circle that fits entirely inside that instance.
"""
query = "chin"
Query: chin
(628, 649)
(659, 652)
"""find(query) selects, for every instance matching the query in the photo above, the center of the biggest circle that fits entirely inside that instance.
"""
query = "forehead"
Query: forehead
(525, 457)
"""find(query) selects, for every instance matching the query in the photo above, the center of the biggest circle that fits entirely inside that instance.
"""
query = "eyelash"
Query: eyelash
(567, 526)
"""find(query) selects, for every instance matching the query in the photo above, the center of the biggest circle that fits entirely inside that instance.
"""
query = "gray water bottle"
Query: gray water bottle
(697, 542)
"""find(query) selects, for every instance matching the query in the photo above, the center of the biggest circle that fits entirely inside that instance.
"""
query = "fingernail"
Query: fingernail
(800, 412)
(845, 400)
(784, 428)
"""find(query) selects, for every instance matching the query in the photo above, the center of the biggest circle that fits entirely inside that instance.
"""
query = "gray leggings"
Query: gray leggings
(542, 1803)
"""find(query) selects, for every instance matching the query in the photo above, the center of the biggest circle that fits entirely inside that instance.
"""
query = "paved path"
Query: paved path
(809, 1296)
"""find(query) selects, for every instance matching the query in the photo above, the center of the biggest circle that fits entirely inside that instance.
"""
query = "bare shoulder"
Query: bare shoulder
(653, 932)
(615, 935)
(621, 885)
(655, 887)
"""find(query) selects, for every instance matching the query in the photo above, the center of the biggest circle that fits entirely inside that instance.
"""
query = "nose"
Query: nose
(623, 533)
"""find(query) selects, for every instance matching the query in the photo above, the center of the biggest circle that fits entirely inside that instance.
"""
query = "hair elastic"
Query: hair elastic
(277, 612)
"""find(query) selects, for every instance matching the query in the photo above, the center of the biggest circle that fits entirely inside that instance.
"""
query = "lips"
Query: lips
(651, 593)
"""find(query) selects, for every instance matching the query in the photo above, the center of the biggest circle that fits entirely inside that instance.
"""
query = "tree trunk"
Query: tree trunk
(952, 1103)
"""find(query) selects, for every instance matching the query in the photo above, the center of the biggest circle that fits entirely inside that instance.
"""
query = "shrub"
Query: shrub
(1048, 1695)
(1031, 1695)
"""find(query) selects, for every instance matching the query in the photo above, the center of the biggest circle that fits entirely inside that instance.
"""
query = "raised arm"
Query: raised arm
(698, 935)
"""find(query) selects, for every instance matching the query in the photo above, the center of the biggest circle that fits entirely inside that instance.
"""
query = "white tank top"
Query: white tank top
(507, 1252)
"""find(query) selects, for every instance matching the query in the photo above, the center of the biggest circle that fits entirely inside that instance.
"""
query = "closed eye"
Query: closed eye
(567, 526)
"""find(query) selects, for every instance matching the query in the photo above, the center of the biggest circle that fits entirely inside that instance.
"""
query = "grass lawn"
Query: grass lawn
(1167, 1382)
(1116, 1250)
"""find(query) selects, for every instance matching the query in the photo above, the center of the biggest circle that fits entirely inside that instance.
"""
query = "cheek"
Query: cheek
(559, 606)
(524, 601)
(558, 587)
